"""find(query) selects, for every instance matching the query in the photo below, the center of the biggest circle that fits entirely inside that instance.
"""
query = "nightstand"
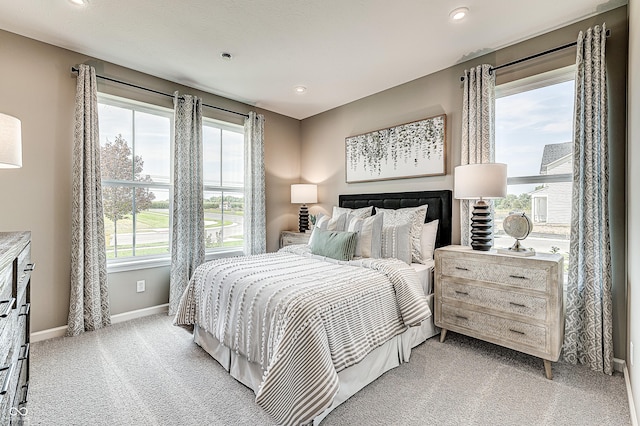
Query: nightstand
(516, 302)
(288, 238)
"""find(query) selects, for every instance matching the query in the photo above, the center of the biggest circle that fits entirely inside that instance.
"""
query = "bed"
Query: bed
(305, 333)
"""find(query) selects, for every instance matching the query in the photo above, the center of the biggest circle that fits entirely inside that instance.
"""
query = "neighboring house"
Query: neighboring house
(551, 204)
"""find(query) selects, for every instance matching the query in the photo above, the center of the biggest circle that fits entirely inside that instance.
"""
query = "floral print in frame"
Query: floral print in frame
(409, 150)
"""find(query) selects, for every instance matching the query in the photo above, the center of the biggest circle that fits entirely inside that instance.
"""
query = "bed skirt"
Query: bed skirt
(391, 354)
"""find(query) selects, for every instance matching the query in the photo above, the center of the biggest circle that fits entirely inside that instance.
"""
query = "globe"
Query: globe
(517, 225)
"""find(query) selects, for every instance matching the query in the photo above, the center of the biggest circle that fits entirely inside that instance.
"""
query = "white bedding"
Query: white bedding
(312, 306)
(390, 355)
(425, 275)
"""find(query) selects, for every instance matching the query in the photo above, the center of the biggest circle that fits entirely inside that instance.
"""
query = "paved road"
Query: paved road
(161, 235)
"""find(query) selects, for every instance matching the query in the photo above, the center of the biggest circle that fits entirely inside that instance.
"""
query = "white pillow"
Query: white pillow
(428, 239)
(361, 213)
(415, 216)
(369, 232)
(332, 223)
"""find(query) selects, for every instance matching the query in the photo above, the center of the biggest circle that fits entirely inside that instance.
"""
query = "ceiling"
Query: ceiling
(341, 50)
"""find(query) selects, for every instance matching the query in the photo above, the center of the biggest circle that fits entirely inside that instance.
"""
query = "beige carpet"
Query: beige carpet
(148, 372)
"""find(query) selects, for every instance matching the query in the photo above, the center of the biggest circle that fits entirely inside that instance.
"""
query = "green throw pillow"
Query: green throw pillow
(334, 244)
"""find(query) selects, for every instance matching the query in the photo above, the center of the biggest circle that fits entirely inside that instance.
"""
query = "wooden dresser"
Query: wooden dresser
(15, 281)
(288, 238)
(512, 301)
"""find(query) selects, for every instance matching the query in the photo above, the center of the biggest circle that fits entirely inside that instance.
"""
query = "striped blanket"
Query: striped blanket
(303, 318)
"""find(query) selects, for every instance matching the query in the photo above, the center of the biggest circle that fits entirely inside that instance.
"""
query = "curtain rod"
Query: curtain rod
(537, 55)
(75, 71)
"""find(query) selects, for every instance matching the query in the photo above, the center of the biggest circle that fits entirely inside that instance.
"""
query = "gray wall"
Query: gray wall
(36, 85)
(323, 135)
(633, 200)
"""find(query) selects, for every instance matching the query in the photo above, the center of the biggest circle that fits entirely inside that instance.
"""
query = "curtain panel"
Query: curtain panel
(478, 131)
(187, 209)
(89, 296)
(255, 230)
(589, 319)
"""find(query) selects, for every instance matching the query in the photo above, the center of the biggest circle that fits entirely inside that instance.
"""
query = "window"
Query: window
(223, 164)
(534, 134)
(137, 186)
(135, 141)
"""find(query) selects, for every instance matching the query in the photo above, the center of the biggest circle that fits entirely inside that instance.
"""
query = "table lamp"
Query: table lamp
(301, 194)
(10, 142)
(481, 182)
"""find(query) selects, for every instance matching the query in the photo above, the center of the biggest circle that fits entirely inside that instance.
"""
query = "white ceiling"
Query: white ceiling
(341, 50)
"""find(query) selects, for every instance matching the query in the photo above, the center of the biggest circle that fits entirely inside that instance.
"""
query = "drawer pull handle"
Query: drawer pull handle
(7, 378)
(464, 293)
(517, 331)
(519, 305)
(462, 318)
(520, 277)
(25, 392)
(26, 352)
(30, 267)
(460, 268)
(27, 308)
(7, 310)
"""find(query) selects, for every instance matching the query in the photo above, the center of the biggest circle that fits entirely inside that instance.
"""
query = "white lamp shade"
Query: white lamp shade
(475, 181)
(304, 193)
(10, 142)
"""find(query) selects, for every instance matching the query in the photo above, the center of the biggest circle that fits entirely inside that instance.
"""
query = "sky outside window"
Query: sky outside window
(527, 121)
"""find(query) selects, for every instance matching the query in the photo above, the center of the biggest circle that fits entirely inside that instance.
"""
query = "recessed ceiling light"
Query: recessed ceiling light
(79, 2)
(300, 89)
(459, 13)
(226, 56)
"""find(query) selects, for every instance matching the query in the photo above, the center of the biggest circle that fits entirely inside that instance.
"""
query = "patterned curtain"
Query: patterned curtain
(588, 328)
(255, 230)
(89, 298)
(478, 133)
(187, 237)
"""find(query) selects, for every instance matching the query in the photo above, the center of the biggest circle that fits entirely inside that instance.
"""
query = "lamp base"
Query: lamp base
(303, 218)
(481, 227)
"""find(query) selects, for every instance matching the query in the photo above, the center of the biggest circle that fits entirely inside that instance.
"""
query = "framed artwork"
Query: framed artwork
(406, 151)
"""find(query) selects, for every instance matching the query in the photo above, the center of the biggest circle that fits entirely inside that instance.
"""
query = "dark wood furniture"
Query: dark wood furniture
(15, 303)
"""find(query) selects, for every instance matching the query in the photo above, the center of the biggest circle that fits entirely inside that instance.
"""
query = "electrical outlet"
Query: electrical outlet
(140, 285)
(631, 352)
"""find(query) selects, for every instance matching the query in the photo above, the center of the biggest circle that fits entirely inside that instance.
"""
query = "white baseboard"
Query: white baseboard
(125, 316)
(48, 334)
(619, 365)
(632, 405)
(139, 313)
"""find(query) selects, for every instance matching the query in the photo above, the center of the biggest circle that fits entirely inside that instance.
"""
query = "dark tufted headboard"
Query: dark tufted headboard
(439, 206)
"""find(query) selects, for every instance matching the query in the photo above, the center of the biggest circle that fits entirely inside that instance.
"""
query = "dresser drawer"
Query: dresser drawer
(529, 278)
(6, 287)
(499, 328)
(288, 238)
(24, 265)
(504, 301)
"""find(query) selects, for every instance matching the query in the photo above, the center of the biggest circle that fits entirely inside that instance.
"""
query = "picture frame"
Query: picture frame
(409, 150)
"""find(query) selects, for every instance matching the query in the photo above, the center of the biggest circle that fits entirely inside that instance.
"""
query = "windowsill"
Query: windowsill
(115, 266)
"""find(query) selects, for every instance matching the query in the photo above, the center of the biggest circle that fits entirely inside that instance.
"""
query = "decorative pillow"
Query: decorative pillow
(415, 216)
(396, 241)
(334, 244)
(428, 239)
(364, 212)
(329, 223)
(332, 223)
(369, 232)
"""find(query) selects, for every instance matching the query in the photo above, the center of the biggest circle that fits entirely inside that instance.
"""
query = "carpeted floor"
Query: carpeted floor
(148, 372)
